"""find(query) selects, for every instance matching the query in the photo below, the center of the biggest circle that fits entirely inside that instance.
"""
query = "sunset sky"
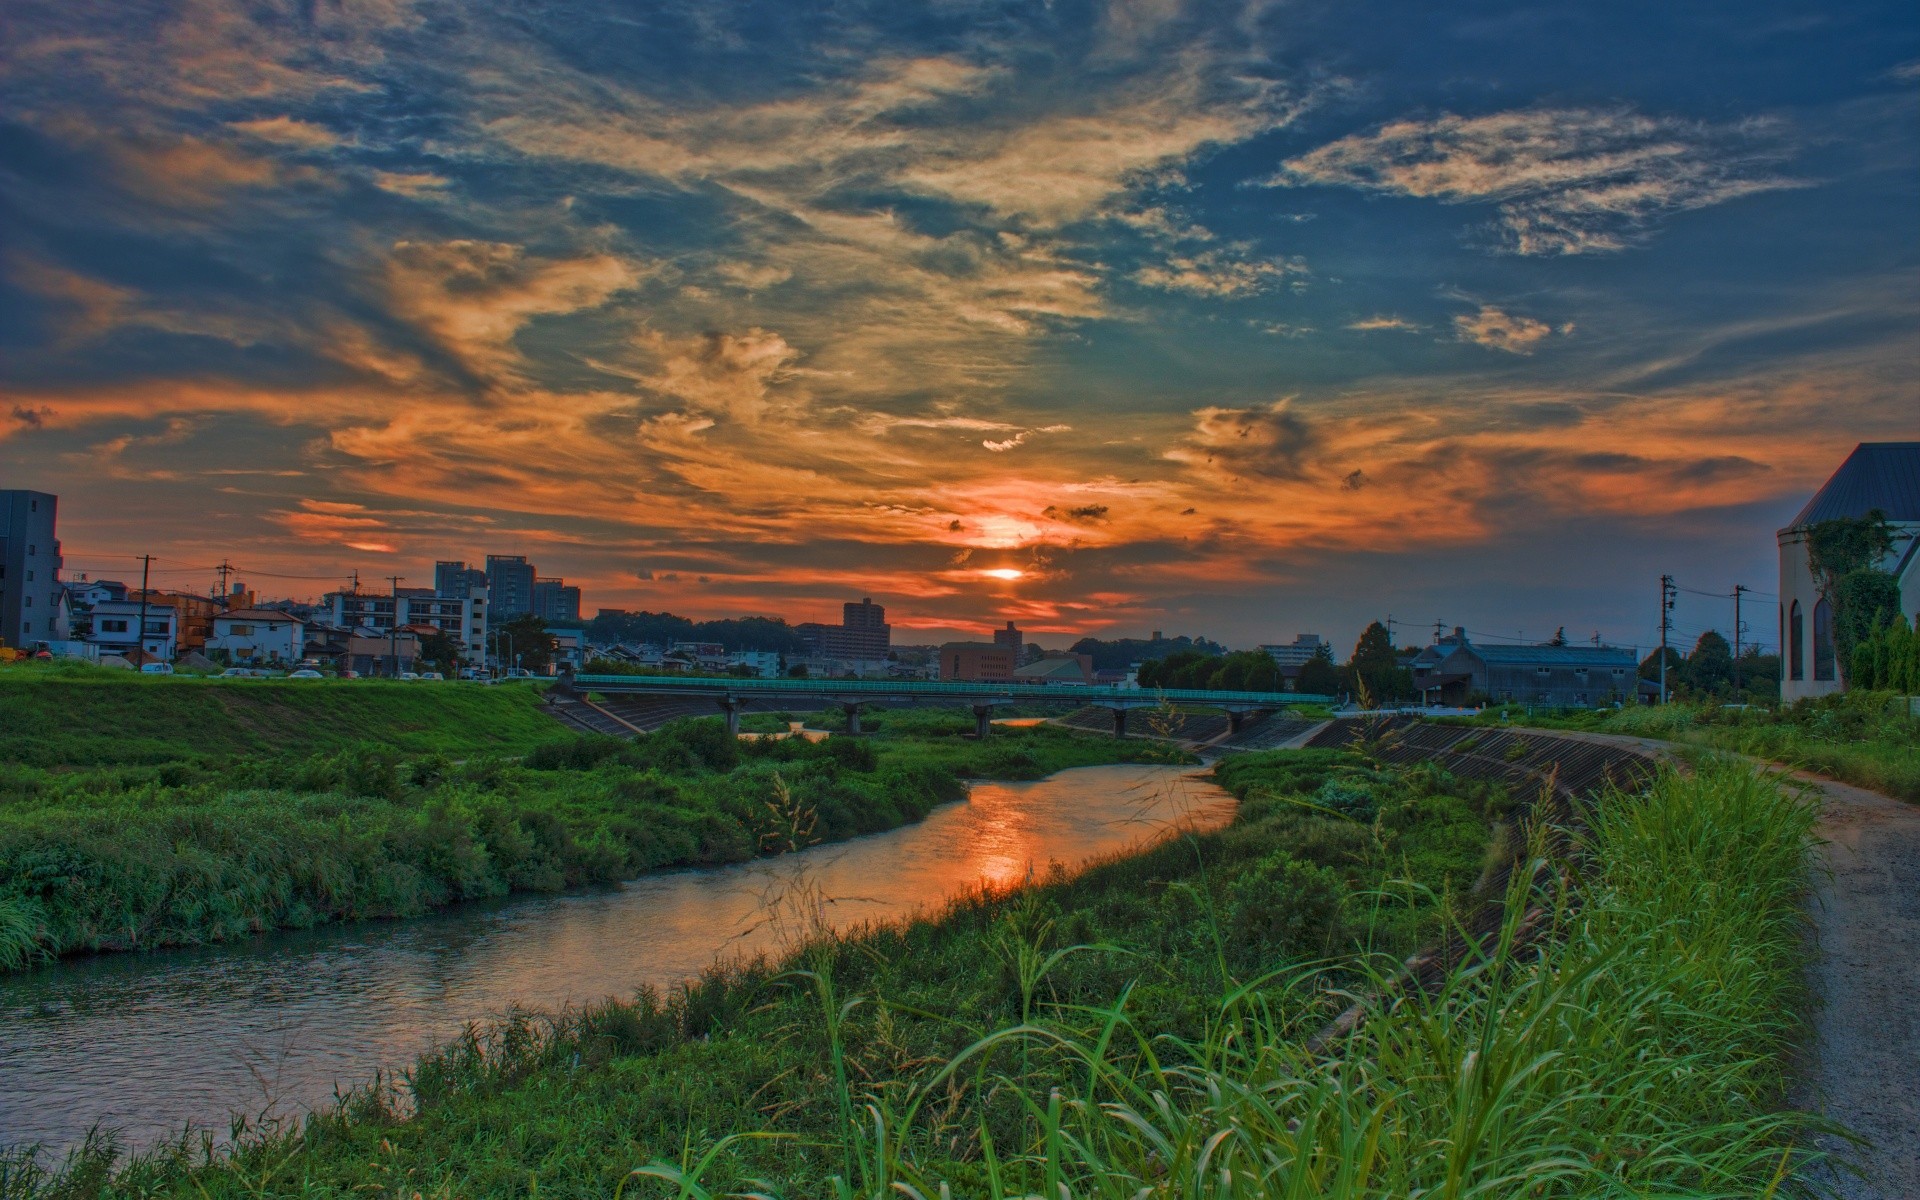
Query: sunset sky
(1228, 318)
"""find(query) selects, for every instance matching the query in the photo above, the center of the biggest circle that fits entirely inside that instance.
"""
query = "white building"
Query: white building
(1877, 475)
(259, 635)
(116, 628)
(1304, 647)
(765, 664)
(462, 618)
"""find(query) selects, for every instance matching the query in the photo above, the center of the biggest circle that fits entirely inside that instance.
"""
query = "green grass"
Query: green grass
(566, 1105)
(88, 716)
(173, 837)
(1868, 739)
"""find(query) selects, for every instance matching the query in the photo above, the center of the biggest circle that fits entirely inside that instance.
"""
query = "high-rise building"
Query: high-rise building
(555, 599)
(1011, 638)
(509, 585)
(1303, 648)
(29, 568)
(863, 634)
(456, 580)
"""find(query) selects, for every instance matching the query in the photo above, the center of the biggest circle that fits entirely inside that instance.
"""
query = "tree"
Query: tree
(1318, 675)
(440, 649)
(1376, 668)
(1844, 556)
(532, 647)
(1559, 637)
(1709, 669)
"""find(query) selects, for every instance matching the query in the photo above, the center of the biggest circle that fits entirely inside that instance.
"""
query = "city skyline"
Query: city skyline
(1226, 320)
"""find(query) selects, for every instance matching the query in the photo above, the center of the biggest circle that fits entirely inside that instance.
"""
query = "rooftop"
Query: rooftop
(1882, 475)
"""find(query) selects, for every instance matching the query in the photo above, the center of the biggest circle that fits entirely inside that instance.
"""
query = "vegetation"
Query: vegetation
(67, 715)
(229, 808)
(1117, 654)
(1239, 671)
(1888, 659)
(1844, 555)
(524, 642)
(1327, 856)
(1866, 738)
(1710, 672)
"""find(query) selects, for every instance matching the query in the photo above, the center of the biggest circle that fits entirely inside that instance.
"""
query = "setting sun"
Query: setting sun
(1003, 572)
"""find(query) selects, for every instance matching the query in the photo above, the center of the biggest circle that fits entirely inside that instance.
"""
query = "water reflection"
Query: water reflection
(145, 1043)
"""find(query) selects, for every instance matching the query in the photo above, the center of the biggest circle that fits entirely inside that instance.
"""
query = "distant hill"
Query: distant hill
(1121, 653)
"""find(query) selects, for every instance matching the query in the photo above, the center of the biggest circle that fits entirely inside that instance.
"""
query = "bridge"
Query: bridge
(733, 695)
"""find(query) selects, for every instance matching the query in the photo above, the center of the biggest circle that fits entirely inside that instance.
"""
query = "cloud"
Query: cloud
(1564, 181)
(1086, 514)
(1217, 274)
(1499, 330)
(1270, 441)
(288, 131)
(1376, 323)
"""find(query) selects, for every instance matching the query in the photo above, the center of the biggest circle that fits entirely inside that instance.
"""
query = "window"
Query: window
(1796, 645)
(32, 550)
(26, 602)
(1823, 641)
(29, 576)
(242, 630)
(109, 625)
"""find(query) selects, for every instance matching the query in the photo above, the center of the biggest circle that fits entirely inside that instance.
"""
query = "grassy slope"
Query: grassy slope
(76, 718)
(570, 1106)
(1862, 738)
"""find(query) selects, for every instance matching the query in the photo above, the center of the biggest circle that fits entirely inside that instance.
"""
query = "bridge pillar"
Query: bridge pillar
(982, 720)
(1235, 720)
(853, 718)
(1119, 722)
(731, 707)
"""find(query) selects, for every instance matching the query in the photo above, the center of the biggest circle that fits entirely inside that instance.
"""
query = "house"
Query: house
(116, 628)
(765, 664)
(258, 635)
(193, 615)
(86, 593)
(374, 653)
(1455, 671)
(1056, 667)
(1877, 475)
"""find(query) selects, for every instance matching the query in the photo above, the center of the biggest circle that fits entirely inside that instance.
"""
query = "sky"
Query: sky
(1241, 319)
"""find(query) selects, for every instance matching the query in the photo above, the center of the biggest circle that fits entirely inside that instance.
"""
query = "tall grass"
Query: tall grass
(1630, 1045)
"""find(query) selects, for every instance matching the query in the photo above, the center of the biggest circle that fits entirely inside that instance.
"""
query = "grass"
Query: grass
(67, 715)
(177, 835)
(774, 1063)
(1868, 739)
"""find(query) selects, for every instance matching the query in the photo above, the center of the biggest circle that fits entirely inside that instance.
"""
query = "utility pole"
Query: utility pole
(224, 568)
(140, 642)
(1669, 595)
(1438, 624)
(1738, 588)
(393, 629)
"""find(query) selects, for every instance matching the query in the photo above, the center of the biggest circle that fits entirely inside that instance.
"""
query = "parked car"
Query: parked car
(519, 673)
(435, 675)
(235, 673)
(156, 669)
(408, 675)
(349, 673)
(305, 673)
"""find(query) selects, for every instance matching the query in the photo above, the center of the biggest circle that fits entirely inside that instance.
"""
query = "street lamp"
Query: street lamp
(501, 633)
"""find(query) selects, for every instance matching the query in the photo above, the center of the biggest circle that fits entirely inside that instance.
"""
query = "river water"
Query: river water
(143, 1044)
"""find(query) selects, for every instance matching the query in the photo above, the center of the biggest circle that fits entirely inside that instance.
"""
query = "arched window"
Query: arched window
(1823, 640)
(1796, 644)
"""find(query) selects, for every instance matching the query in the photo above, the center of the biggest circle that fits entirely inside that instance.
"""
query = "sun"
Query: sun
(1003, 572)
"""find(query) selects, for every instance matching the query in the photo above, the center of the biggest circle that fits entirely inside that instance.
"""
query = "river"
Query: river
(143, 1044)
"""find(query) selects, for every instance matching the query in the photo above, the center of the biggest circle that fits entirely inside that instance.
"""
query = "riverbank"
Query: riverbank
(574, 1102)
(1864, 738)
(101, 854)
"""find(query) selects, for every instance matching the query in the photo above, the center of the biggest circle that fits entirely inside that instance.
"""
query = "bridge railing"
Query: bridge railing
(997, 693)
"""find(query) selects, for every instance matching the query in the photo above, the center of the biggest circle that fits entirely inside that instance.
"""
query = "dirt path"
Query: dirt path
(1863, 1067)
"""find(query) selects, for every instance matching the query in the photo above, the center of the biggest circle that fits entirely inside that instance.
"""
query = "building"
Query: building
(29, 568)
(1011, 637)
(455, 578)
(252, 636)
(193, 615)
(117, 628)
(765, 664)
(554, 599)
(462, 618)
(1877, 475)
(863, 634)
(1056, 667)
(1297, 654)
(510, 585)
(1454, 671)
(389, 655)
(87, 593)
(976, 662)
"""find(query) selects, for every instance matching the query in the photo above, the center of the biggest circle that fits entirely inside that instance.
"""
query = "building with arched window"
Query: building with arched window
(1877, 475)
